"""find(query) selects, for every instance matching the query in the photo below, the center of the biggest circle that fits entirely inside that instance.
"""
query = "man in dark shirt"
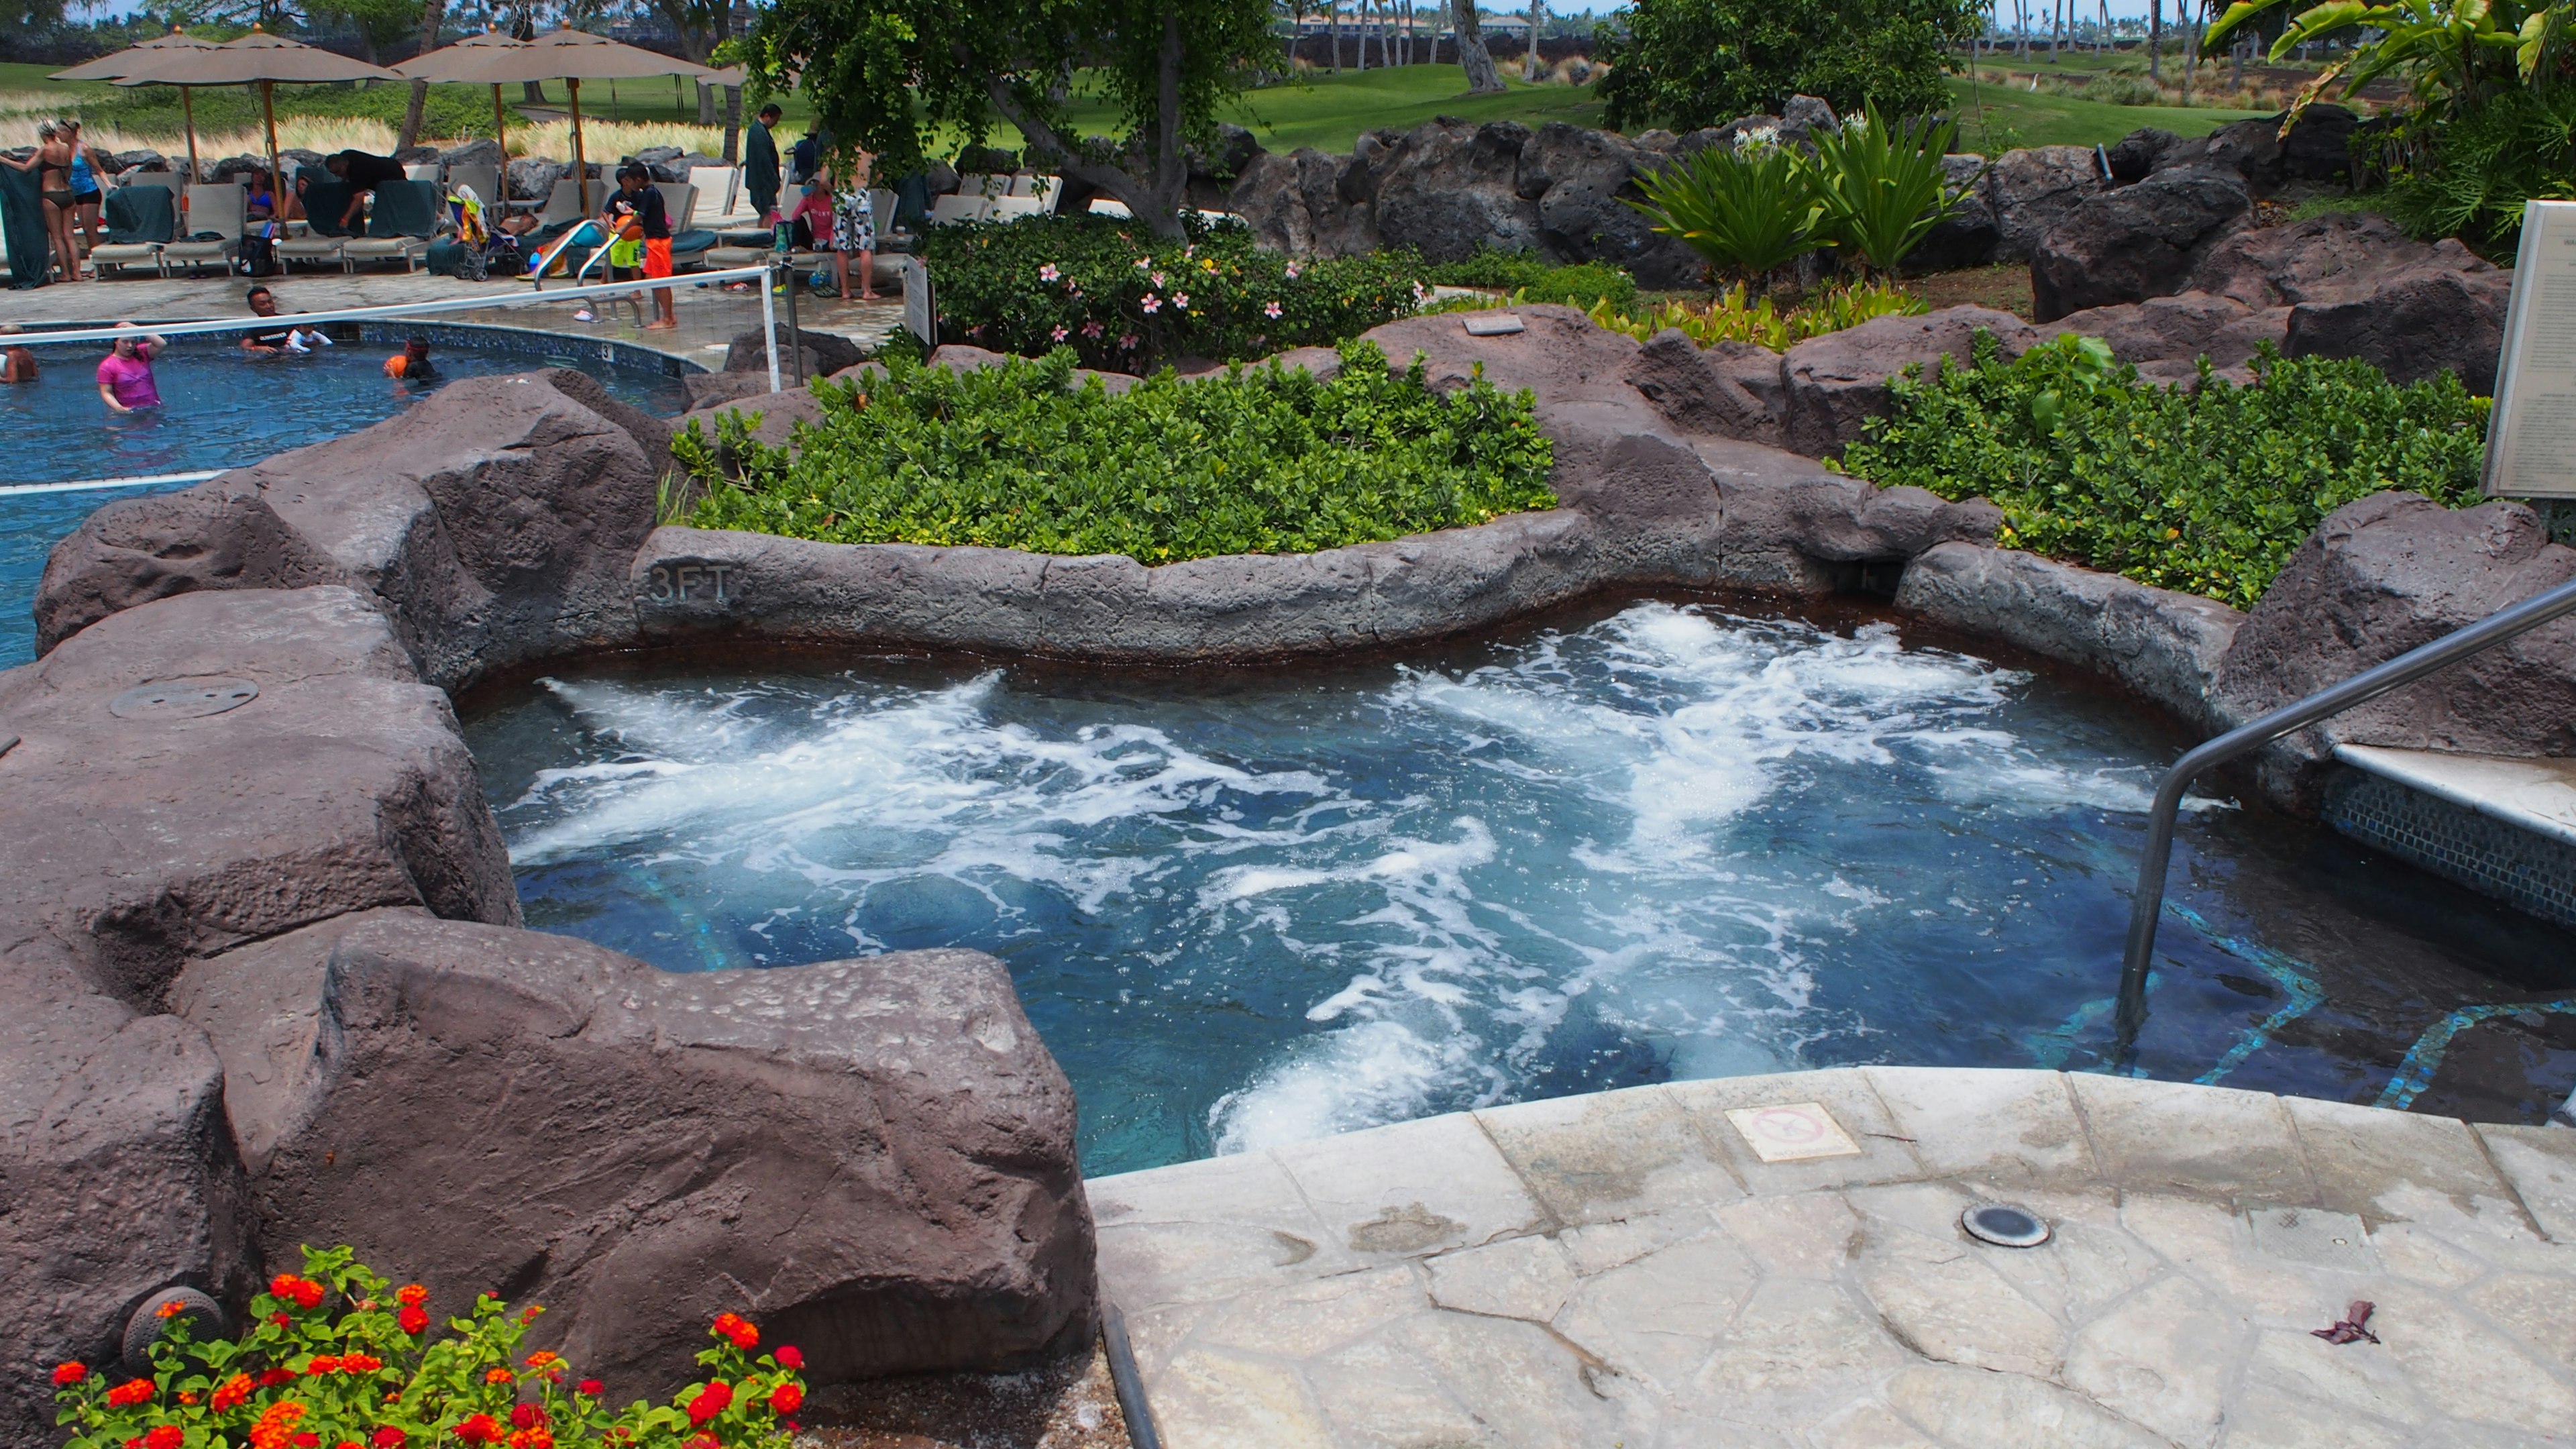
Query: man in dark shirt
(760, 163)
(364, 171)
(287, 337)
(637, 217)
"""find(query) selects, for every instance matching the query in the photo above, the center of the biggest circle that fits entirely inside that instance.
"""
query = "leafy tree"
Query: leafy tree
(1685, 64)
(379, 23)
(886, 75)
(432, 15)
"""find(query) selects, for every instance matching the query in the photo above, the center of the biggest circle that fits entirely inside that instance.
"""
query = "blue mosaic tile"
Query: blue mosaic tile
(2526, 870)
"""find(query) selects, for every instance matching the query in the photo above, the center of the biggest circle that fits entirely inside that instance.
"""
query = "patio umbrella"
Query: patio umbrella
(571, 56)
(257, 58)
(470, 62)
(118, 66)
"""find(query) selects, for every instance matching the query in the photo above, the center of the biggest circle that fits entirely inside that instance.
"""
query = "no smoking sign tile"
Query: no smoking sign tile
(1794, 1132)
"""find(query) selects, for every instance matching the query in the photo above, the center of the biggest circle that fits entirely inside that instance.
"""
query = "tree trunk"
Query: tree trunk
(2155, 42)
(1404, 46)
(431, 15)
(1531, 66)
(1360, 27)
(733, 125)
(533, 92)
(1482, 78)
(706, 104)
(1333, 24)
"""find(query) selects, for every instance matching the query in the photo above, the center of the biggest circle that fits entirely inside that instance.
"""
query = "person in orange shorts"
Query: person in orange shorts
(637, 210)
(412, 364)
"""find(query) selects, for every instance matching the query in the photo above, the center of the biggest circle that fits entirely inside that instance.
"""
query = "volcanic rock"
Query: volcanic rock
(135, 550)
(1451, 188)
(1834, 383)
(2031, 191)
(2136, 242)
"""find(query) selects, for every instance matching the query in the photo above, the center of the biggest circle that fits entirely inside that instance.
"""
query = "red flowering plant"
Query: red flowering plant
(337, 1357)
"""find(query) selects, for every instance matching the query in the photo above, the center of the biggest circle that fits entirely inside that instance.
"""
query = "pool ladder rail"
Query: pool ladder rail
(2147, 903)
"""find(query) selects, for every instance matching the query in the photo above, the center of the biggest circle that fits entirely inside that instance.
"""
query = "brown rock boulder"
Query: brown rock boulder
(1560, 356)
(2422, 322)
(2030, 191)
(2166, 336)
(874, 1159)
(2382, 575)
(1730, 390)
(1833, 384)
(2333, 258)
(116, 1176)
(135, 550)
(496, 517)
(2134, 243)
(1451, 186)
(135, 835)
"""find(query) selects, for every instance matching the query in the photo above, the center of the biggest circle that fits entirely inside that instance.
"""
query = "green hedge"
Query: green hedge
(1533, 279)
(2204, 491)
(1266, 460)
(1125, 301)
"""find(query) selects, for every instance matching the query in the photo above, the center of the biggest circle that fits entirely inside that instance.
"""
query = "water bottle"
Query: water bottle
(778, 239)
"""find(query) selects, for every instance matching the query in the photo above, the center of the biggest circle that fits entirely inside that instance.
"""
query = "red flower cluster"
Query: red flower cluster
(69, 1374)
(129, 1393)
(276, 1426)
(528, 1416)
(592, 1387)
(735, 1327)
(387, 1437)
(171, 1308)
(413, 1320)
(271, 1378)
(536, 1438)
(165, 1436)
(229, 1396)
(789, 1358)
(480, 1429)
(411, 1295)
(712, 1400)
(786, 1399)
(304, 1293)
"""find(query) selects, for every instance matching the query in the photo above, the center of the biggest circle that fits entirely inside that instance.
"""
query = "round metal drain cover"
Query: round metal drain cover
(182, 698)
(2004, 1225)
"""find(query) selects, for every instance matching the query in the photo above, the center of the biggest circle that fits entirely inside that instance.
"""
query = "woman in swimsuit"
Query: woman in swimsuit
(87, 199)
(52, 164)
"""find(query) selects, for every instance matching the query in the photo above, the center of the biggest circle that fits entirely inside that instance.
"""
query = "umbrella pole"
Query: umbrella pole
(581, 173)
(188, 110)
(276, 181)
(501, 130)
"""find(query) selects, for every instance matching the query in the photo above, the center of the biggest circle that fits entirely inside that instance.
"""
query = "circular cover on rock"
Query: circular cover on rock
(183, 698)
(2004, 1225)
(145, 1327)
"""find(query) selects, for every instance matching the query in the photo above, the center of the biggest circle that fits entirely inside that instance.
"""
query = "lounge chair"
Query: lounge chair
(422, 171)
(212, 228)
(484, 181)
(399, 228)
(963, 206)
(719, 188)
(325, 197)
(140, 221)
(564, 204)
(679, 204)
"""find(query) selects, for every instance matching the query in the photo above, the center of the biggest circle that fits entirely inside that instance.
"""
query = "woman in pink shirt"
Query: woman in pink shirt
(125, 375)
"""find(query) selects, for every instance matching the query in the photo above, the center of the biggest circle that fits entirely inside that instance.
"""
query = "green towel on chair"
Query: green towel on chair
(404, 209)
(325, 197)
(22, 220)
(137, 214)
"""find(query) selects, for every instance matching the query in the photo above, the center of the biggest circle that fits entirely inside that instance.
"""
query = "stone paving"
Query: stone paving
(1627, 1270)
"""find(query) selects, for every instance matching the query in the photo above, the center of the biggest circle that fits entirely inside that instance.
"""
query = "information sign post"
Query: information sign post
(2531, 436)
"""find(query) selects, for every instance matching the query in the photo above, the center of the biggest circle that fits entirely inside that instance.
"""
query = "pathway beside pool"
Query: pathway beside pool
(1779, 1261)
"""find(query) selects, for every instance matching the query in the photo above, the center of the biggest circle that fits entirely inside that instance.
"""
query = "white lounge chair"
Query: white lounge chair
(211, 230)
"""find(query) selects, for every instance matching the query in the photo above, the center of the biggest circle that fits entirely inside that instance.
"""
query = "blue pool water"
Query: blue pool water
(220, 410)
(1658, 840)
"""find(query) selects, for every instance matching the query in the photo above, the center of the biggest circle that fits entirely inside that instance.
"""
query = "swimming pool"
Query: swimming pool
(1653, 840)
(220, 410)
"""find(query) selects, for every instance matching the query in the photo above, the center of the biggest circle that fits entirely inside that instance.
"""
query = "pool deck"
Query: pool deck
(702, 334)
(1626, 1269)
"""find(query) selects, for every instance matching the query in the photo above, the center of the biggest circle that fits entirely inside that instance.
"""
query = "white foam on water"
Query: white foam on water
(1572, 840)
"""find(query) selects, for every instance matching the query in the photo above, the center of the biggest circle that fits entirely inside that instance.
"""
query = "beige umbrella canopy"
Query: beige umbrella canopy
(467, 62)
(257, 58)
(571, 56)
(119, 66)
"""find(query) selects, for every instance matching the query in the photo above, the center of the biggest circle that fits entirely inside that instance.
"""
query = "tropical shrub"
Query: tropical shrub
(1266, 460)
(1531, 278)
(2206, 491)
(338, 1356)
(1685, 64)
(2469, 175)
(1124, 300)
(1730, 318)
(1749, 209)
(1881, 186)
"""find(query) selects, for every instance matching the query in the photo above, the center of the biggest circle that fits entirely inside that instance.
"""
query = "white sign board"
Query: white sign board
(920, 316)
(2531, 436)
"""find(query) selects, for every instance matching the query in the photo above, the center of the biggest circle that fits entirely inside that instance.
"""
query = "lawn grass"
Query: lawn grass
(1993, 119)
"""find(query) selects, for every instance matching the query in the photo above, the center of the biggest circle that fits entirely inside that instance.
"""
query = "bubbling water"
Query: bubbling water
(1251, 909)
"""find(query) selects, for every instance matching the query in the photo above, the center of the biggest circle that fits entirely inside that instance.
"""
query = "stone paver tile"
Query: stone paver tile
(2401, 1166)
(1206, 1229)
(2082, 1266)
(1305, 1319)
(1844, 1091)
(2214, 1246)
(1413, 1188)
(1378, 1396)
(2291, 1361)
(1528, 1386)
(2208, 1141)
(2161, 1357)
(2465, 1368)
(1791, 1334)
(1972, 1409)
(1209, 1399)
(2540, 1162)
(1809, 1235)
(1600, 1247)
(1604, 1156)
(2007, 1128)
(1656, 1318)
(1945, 1301)
(1156, 1334)
(2281, 1423)
(2420, 1255)
(2539, 1309)
(1515, 1278)
(1867, 1426)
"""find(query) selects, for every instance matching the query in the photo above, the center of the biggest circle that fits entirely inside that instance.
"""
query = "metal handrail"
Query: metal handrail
(2148, 902)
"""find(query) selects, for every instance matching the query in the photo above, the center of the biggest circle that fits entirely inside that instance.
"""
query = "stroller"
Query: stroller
(481, 249)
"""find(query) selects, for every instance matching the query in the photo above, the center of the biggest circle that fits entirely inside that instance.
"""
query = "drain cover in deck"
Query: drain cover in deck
(1792, 1133)
(2005, 1225)
(2314, 1237)
(182, 698)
